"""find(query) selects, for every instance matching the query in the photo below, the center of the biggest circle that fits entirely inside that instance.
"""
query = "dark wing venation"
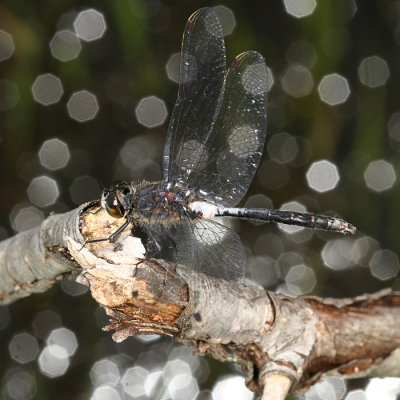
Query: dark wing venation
(202, 71)
(204, 245)
(224, 172)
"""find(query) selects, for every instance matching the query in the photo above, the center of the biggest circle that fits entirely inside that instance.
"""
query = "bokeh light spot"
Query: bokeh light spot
(300, 279)
(82, 106)
(356, 395)
(384, 265)
(23, 348)
(383, 389)
(300, 8)
(380, 175)
(47, 89)
(226, 18)
(104, 372)
(65, 45)
(282, 148)
(53, 361)
(44, 322)
(43, 191)
(297, 81)
(105, 393)
(322, 176)
(73, 288)
(90, 25)
(64, 338)
(172, 67)
(333, 89)
(20, 384)
(373, 71)
(151, 112)
(231, 387)
(6, 45)
(337, 254)
(25, 217)
(54, 154)
(133, 381)
(394, 126)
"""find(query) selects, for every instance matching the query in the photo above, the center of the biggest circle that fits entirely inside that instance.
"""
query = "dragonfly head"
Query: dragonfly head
(117, 200)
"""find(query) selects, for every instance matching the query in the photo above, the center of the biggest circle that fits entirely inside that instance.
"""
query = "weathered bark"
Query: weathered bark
(283, 344)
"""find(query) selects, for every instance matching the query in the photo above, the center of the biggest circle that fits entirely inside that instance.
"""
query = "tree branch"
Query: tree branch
(283, 344)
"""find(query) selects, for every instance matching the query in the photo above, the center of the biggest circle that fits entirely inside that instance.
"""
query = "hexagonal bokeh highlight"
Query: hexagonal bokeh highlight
(133, 381)
(322, 176)
(54, 154)
(9, 94)
(297, 81)
(183, 386)
(151, 112)
(227, 19)
(333, 89)
(82, 106)
(90, 25)
(64, 338)
(300, 279)
(25, 217)
(19, 384)
(7, 47)
(231, 387)
(383, 389)
(23, 348)
(373, 71)
(380, 175)
(356, 395)
(300, 8)
(105, 372)
(65, 45)
(105, 393)
(384, 265)
(337, 254)
(44, 322)
(282, 148)
(43, 191)
(172, 67)
(53, 361)
(47, 89)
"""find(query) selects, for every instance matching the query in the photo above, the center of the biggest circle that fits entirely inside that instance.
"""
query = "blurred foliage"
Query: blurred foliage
(128, 63)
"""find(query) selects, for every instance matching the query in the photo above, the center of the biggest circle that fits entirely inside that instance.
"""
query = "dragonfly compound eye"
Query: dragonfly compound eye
(113, 206)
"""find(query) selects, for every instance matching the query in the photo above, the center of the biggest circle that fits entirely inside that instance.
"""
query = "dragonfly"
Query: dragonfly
(213, 147)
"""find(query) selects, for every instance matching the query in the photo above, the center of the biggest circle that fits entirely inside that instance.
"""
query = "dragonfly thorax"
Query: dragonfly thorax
(161, 201)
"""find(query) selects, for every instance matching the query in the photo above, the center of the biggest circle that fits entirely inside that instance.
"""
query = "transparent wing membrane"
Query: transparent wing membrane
(235, 147)
(205, 245)
(202, 73)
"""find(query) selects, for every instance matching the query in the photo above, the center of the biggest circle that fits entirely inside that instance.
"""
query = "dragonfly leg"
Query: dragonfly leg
(112, 237)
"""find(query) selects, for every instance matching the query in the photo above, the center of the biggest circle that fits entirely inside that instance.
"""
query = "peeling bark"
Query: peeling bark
(283, 344)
